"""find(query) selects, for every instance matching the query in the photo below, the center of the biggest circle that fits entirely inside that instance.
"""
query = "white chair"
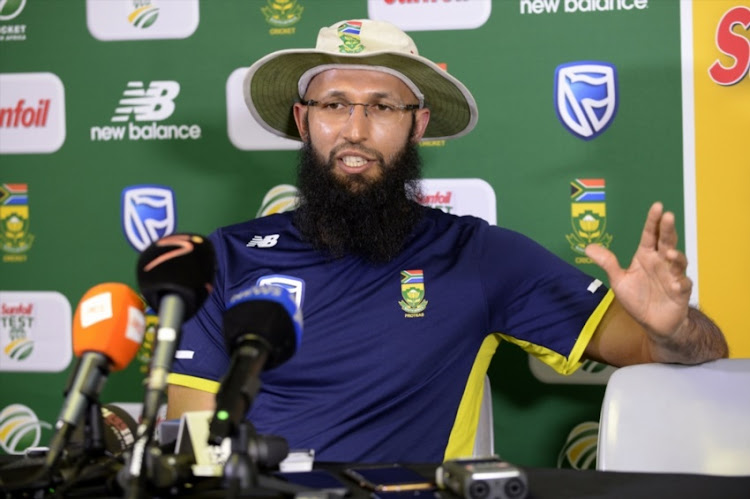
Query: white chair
(677, 419)
(484, 442)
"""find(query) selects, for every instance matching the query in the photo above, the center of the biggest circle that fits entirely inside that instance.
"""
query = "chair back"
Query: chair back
(676, 418)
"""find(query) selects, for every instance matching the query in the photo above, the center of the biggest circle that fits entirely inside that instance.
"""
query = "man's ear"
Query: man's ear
(421, 118)
(300, 111)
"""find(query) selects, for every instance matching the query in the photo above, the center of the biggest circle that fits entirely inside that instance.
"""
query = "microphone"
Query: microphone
(262, 328)
(108, 328)
(175, 276)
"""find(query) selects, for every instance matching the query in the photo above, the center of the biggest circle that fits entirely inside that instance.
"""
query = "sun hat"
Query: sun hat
(278, 80)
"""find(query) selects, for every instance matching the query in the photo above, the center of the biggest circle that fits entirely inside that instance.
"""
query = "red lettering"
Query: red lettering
(25, 116)
(735, 46)
(17, 309)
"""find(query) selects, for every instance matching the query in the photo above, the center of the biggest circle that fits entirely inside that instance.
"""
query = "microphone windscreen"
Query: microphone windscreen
(267, 312)
(181, 264)
(109, 320)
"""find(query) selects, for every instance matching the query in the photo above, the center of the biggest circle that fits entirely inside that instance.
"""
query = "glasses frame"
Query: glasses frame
(365, 106)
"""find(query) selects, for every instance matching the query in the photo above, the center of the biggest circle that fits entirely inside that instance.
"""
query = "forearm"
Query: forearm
(698, 340)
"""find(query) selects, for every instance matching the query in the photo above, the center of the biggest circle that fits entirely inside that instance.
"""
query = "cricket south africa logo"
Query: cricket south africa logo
(413, 293)
(15, 238)
(349, 34)
(586, 97)
(588, 216)
(144, 14)
(148, 214)
(282, 15)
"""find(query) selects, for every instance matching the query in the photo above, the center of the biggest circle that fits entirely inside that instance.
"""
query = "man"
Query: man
(404, 305)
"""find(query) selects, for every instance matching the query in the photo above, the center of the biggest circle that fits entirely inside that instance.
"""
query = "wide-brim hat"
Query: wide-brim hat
(278, 80)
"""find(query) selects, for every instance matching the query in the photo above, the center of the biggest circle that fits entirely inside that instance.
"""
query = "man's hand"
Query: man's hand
(655, 292)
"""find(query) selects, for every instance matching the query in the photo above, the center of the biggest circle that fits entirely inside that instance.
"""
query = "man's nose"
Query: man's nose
(357, 125)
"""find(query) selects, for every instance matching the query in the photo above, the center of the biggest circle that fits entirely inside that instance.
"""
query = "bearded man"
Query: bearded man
(404, 305)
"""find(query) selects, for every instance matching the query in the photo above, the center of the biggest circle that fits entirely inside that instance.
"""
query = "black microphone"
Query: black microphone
(262, 328)
(175, 276)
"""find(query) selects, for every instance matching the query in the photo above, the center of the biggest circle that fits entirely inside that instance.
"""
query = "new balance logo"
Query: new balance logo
(153, 104)
(263, 241)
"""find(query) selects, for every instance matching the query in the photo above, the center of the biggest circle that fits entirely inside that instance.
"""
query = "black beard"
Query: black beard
(367, 218)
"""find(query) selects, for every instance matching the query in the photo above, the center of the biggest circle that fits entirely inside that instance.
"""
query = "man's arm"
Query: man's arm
(182, 399)
(650, 319)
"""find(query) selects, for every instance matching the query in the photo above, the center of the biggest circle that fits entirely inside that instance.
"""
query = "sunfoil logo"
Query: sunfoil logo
(143, 103)
(575, 6)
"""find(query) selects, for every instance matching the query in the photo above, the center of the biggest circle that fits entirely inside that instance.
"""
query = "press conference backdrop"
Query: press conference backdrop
(122, 121)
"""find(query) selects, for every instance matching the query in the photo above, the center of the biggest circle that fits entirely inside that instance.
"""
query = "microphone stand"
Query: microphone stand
(241, 469)
(140, 465)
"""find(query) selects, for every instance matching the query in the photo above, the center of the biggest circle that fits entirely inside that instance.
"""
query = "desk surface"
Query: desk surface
(545, 483)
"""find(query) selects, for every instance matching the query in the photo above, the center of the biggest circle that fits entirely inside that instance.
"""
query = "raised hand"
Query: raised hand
(654, 290)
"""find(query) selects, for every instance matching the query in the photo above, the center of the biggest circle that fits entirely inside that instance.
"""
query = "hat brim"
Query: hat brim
(270, 89)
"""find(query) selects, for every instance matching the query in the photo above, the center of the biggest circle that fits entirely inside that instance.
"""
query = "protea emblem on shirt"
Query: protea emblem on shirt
(412, 291)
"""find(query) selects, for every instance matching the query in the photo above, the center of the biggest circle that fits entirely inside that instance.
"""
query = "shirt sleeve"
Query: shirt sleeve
(538, 301)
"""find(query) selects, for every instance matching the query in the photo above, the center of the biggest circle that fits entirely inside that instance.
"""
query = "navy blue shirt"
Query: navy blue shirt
(389, 352)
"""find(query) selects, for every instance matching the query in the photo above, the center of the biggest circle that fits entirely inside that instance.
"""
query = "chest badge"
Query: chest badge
(412, 291)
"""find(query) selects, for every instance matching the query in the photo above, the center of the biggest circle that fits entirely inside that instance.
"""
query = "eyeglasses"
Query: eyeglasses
(335, 111)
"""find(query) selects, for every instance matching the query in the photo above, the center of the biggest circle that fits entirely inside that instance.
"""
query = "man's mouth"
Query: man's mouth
(354, 161)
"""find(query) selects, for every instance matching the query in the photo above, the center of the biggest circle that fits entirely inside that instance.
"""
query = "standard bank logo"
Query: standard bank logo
(586, 97)
(141, 19)
(35, 331)
(32, 113)
(418, 15)
(148, 214)
(20, 429)
(146, 103)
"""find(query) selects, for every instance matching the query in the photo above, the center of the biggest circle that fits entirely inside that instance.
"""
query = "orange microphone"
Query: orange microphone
(108, 329)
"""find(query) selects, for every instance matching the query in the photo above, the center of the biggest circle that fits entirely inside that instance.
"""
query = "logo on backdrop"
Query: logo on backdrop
(146, 350)
(15, 238)
(244, 131)
(32, 113)
(144, 14)
(9, 10)
(417, 15)
(16, 321)
(140, 102)
(148, 214)
(282, 15)
(141, 19)
(579, 451)
(586, 97)
(588, 216)
(576, 6)
(734, 45)
(278, 199)
(35, 331)
(460, 196)
(20, 429)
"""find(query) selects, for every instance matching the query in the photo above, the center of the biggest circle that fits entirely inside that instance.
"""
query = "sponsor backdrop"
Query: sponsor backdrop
(122, 121)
